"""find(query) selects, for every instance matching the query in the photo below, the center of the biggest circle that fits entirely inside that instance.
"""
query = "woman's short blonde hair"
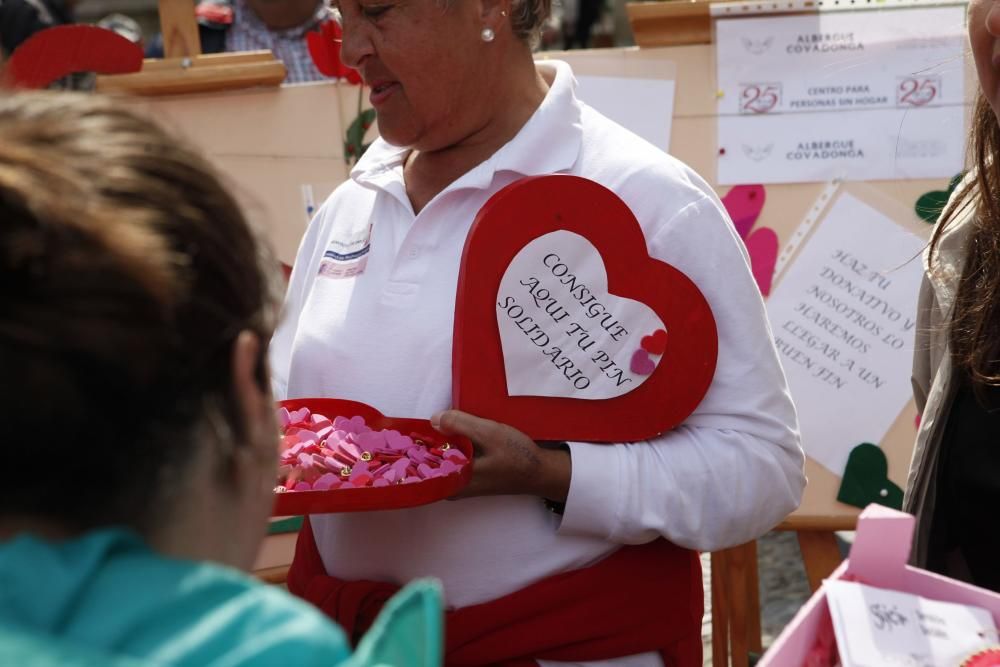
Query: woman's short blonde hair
(528, 16)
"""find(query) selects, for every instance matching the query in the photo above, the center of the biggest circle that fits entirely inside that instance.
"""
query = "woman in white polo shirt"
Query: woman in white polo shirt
(464, 111)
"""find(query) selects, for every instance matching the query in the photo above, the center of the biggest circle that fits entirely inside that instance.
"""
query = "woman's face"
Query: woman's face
(425, 65)
(984, 35)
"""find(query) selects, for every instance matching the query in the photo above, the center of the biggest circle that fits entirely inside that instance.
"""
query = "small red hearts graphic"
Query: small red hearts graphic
(656, 342)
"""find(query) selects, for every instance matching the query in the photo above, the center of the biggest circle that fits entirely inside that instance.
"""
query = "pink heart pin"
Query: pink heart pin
(456, 455)
(641, 363)
(326, 482)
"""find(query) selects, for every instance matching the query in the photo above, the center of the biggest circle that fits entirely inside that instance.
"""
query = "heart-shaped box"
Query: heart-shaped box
(396, 496)
(549, 253)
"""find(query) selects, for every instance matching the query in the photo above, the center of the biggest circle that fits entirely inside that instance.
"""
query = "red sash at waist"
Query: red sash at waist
(645, 598)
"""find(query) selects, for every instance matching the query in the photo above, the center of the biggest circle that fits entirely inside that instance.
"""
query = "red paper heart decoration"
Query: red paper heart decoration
(324, 48)
(656, 342)
(513, 221)
(53, 53)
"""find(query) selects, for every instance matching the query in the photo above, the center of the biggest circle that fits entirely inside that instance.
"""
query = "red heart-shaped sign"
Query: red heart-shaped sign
(560, 254)
(53, 53)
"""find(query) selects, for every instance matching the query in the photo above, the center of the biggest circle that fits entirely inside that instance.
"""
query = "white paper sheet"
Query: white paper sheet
(843, 317)
(645, 106)
(877, 627)
(871, 95)
(562, 333)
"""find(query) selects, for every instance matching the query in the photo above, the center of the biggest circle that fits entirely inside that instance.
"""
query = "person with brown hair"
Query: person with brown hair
(140, 434)
(954, 481)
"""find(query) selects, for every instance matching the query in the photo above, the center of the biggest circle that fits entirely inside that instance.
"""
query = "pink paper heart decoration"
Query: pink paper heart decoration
(641, 364)
(455, 455)
(397, 441)
(327, 481)
(370, 441)
(762, 245)
(744, 204)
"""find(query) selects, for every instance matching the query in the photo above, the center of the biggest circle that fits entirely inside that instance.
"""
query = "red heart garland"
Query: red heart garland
(518, 215)
(324, 48)
(53, 53)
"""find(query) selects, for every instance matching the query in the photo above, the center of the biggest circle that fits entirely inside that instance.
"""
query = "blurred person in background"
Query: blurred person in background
(278, 26)
(20, 19)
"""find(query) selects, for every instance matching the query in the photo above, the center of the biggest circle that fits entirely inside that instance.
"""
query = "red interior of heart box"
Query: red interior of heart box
(395, 496)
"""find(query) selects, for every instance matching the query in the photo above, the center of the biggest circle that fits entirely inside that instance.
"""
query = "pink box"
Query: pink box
(878, 558)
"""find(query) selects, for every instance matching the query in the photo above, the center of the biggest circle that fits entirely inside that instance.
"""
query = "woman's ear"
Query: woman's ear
(495, 12)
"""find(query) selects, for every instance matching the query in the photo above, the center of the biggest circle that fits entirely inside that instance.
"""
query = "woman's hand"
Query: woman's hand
(507, 462)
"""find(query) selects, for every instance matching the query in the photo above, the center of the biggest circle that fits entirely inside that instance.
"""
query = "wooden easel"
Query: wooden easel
(185, 69)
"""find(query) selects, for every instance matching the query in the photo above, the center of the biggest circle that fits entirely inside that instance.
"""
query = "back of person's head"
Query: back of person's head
(127, 274)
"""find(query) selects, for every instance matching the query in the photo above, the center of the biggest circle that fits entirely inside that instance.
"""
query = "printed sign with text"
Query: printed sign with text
(877, 95)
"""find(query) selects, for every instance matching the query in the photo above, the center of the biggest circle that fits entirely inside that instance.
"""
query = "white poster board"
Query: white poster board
(843, 317)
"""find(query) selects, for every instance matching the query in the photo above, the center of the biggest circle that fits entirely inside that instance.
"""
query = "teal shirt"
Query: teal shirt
(107, 594)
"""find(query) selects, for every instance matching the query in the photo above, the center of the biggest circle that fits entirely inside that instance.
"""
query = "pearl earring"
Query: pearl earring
(487, 34)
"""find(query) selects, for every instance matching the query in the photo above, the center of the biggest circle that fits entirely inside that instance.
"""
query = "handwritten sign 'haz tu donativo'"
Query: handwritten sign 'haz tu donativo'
(563, 333)
(566, 329)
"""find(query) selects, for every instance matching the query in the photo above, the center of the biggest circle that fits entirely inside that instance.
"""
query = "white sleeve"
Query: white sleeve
(299, 285)
(734, 468)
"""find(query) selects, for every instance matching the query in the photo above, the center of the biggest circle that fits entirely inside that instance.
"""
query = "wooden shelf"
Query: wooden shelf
(223, 71)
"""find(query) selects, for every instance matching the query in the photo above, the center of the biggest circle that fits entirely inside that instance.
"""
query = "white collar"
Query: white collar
(549, 142)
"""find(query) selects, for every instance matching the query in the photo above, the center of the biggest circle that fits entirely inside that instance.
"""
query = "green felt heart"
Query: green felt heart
(866, 479)
(287, 525)
(930, 204)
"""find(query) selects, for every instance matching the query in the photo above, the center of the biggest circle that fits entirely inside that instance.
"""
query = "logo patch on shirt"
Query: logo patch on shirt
(347, 256)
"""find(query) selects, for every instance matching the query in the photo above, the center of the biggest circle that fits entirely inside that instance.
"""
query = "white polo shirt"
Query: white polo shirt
(383, 336)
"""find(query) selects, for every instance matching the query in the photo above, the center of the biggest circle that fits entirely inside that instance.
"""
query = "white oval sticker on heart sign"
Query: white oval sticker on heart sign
(563, 334)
